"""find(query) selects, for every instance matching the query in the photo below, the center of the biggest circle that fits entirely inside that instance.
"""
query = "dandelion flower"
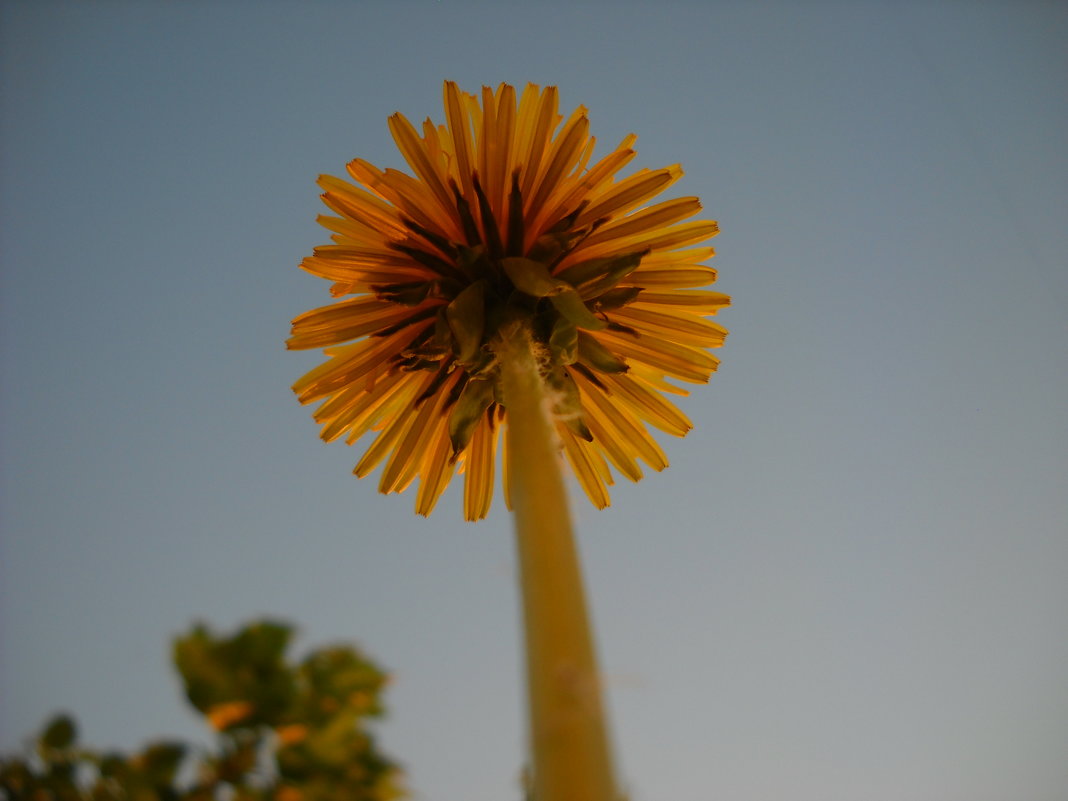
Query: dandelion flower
(512, 282)
(506, 219)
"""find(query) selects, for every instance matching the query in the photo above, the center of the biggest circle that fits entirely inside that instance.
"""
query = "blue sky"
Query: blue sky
(851, 582)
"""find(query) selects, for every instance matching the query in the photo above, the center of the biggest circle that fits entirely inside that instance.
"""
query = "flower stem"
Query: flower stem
(568, 733)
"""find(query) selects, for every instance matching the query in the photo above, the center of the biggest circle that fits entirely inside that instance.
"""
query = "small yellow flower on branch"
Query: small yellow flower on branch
(506, 219)
(222, 716)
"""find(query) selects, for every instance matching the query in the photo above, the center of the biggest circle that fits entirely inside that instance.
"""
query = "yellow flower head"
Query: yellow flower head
(506, 220)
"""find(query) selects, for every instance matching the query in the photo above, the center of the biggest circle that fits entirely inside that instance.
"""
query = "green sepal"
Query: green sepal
(474, 262)
(516, 225)
(466, 219)
(567, 403)
(570, 304)
(615, 298)
(484, 362)
(597, 356)
(532, 277)
(438, 265)
(437, 240)
(441, 374)
(441, 341)
(567, 222)
(549, 247)
(491, 233)
(619, 328)
(598, 275)
(472, 404)
(466, 316)
(411, 293)
(563, 341)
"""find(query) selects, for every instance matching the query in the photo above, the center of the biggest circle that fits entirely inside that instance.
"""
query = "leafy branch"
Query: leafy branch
(283, 732)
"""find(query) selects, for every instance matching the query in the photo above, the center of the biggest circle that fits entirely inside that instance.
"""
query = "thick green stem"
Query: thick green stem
(568, 733)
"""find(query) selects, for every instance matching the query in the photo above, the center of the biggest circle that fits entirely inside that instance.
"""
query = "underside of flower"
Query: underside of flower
(506, 223)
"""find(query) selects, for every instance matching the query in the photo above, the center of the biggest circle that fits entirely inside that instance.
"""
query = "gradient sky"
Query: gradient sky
(852, 582)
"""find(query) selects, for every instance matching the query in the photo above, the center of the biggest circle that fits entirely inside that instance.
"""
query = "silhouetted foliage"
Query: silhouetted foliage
(284, 732)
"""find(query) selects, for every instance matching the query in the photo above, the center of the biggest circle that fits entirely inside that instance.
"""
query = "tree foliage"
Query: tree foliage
(283, 732)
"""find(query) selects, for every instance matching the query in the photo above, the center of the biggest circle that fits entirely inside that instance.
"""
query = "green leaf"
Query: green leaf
(60, 732)
(161, 761)
(237, 762)
(16, 777)
(249, 666)
(262, 644)
(111, 764)
(338, 678)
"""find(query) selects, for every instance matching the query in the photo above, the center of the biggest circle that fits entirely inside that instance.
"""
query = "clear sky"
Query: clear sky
(852, 582)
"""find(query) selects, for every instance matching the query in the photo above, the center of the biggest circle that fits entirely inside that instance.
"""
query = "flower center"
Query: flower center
(490, 280)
